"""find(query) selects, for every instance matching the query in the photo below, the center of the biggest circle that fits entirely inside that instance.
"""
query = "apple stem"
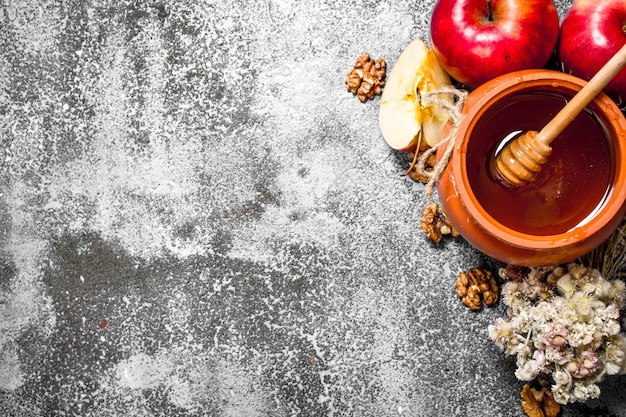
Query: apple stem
(489, 11)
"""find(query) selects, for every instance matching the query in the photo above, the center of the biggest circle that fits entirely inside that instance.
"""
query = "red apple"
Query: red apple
(592, 31)
(477, 40)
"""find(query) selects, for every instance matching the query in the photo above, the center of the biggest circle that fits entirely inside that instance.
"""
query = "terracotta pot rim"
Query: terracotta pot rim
(523, 81)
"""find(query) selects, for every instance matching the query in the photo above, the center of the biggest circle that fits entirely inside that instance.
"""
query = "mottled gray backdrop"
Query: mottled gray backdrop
(196, 219)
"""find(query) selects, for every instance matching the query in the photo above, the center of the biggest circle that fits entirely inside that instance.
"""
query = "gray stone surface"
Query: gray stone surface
(198, 220)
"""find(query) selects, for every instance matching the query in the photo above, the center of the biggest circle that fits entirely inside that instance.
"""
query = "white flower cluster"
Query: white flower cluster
(564, 323)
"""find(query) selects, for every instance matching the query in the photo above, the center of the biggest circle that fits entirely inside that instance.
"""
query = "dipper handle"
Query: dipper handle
(583, 97)
(521, 160)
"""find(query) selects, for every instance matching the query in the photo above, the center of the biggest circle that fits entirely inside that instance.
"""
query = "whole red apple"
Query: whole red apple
(477, 40)
(592, 31)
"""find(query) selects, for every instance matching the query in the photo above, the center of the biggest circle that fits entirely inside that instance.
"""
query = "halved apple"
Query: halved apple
(402, 115)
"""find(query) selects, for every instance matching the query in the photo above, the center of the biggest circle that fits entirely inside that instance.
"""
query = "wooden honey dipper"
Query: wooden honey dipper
(521, 160)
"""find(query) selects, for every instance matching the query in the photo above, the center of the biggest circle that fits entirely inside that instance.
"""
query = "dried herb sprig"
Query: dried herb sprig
(610, 257)
(563, 323)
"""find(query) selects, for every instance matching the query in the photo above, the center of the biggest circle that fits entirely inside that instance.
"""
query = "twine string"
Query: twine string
(454, 111)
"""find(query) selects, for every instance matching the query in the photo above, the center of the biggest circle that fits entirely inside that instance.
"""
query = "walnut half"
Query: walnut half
(539, 403)
(366, 78)
(413, 172)
(475, 286)
(435, 225)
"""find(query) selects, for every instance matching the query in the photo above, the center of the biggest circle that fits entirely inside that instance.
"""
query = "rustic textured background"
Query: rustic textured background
(196, 219)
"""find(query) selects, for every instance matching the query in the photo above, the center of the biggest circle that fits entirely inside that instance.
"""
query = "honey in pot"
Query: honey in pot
(569, 188)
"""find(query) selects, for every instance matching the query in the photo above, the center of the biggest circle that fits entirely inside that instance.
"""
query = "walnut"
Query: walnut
(448, 227)
(476, 286)
(366, 78)
(539, 403)
(413, 173)
(436, 226)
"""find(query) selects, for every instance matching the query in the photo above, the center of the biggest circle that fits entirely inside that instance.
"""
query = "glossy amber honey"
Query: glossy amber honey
(573, 183)
(578, 199)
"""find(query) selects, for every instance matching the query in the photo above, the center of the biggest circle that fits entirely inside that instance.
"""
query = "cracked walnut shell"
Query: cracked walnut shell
(539, 403)
(476, 286)
(435, 225)
(366, 79)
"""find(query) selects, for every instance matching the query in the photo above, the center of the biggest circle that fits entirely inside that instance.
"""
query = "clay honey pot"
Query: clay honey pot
(574, 204)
